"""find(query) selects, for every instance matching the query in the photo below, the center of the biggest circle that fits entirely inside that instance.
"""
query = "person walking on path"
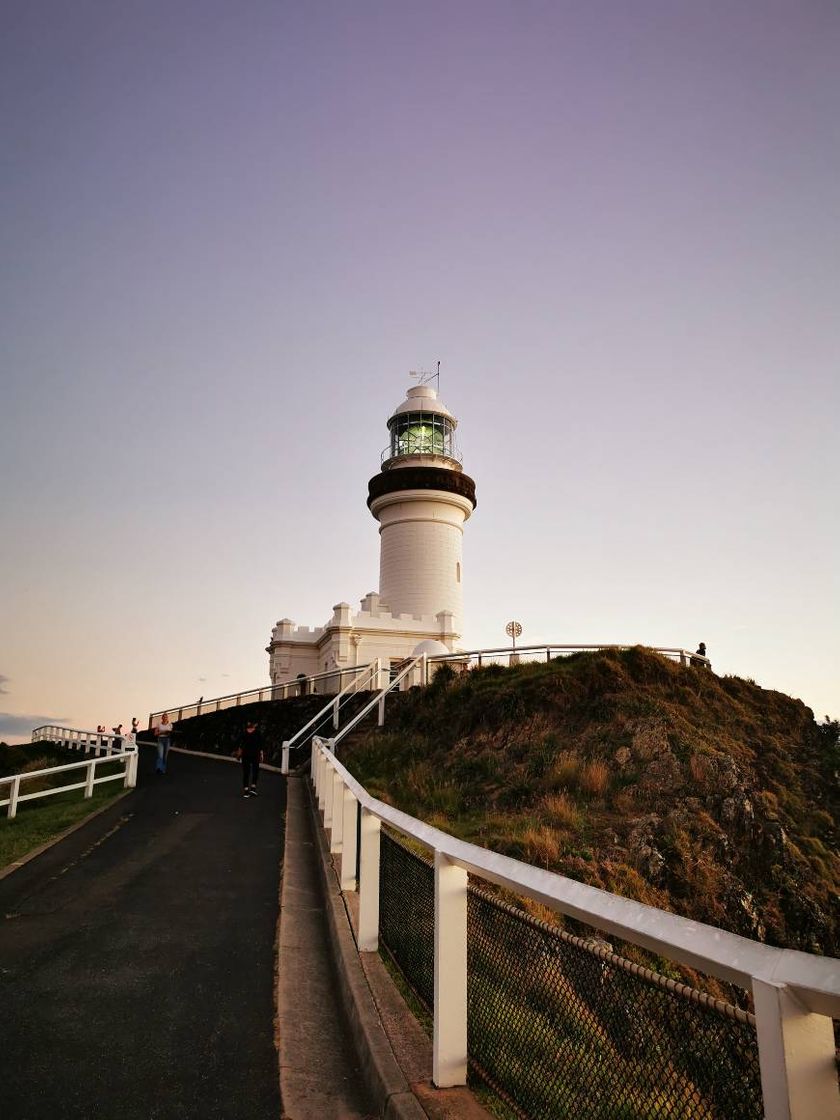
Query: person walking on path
(251, 753)
(163, 732)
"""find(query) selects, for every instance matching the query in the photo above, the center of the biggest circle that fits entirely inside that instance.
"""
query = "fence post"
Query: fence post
(449, 1045)
(383, 675)
(796, 1056)
(335, 714)
(369, 882)
(348, 841)
(284, 764)
(322, 770)
(131, 770)
(329, 796)
(91, 769)
(313, 763)
(13, 796)
(337, 814)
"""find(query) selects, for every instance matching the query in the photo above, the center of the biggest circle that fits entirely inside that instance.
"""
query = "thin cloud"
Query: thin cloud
(4, 680)
(23, 725)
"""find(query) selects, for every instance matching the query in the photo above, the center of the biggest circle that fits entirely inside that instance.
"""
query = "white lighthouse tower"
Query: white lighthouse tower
(421, 499)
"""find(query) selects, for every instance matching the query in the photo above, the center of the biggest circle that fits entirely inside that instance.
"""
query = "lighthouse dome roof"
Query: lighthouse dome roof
(432, 647)
(423, 398)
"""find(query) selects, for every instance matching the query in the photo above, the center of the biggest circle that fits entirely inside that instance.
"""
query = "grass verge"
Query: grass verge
(40, 821)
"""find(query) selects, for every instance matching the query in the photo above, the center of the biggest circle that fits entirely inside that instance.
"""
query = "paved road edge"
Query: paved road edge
(385, 1081)
(16, 864)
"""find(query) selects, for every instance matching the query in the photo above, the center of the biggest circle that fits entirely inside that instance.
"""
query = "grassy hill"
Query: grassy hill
(704, 795)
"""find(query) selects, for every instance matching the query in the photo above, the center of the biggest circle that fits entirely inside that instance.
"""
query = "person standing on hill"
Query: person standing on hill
(251, 753)
(163, 733)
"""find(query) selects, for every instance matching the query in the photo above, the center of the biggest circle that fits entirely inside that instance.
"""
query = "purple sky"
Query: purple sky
(228, 232)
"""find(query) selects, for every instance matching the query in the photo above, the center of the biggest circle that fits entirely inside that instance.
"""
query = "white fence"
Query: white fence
(86, 740)
(75, 740)
(795, 994)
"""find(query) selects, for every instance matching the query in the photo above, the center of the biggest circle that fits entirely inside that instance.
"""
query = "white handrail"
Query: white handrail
(288, 689)
(374, 668)
(673, 653)
(285, 689)
(796, 994)
(379, 699)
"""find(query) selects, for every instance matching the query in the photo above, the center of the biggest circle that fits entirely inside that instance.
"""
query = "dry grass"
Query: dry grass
(565, 770)
(541, 846)
(594, 778)
(626, 802)
(541, 912)
(560, 811)
(698, 766)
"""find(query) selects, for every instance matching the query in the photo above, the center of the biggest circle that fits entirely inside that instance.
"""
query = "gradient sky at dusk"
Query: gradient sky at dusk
(228, 232)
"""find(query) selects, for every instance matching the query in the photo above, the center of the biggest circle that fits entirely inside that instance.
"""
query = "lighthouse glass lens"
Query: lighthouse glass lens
(421, 434)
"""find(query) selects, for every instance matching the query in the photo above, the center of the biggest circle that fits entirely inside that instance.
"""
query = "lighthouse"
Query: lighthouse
(421, 498)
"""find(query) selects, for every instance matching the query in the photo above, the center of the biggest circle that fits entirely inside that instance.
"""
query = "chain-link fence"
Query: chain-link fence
(562, 1026)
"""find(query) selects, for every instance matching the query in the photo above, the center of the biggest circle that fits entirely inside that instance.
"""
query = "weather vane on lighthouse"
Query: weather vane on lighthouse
(427, 376)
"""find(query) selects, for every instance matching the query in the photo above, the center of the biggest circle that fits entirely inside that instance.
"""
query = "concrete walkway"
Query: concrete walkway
(137, 962)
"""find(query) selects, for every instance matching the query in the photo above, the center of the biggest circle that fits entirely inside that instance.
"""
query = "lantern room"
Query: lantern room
(421, 426)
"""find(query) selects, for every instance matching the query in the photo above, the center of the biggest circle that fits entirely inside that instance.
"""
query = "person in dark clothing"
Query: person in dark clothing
(251, 753)
(701, 650)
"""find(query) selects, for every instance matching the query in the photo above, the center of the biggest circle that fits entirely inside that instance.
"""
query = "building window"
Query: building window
(458, 570)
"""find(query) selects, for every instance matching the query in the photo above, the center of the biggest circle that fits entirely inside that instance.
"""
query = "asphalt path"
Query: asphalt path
(137, 957)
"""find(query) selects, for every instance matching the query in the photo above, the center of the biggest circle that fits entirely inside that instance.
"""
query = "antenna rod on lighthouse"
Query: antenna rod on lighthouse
(438, 377)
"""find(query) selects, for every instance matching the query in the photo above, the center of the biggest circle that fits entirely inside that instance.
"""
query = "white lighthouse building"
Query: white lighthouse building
(421, 499)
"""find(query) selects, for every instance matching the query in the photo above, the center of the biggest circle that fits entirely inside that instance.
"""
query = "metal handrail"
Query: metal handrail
(785, 983)
(333, 705)
(287, 688)
(550, 649)
(388, 456)
(269, 691)
(379, 699)
(728, 956)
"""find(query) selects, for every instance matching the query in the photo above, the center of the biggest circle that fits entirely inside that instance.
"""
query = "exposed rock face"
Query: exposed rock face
(622, 756)
(641, 846)
(650, 738)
